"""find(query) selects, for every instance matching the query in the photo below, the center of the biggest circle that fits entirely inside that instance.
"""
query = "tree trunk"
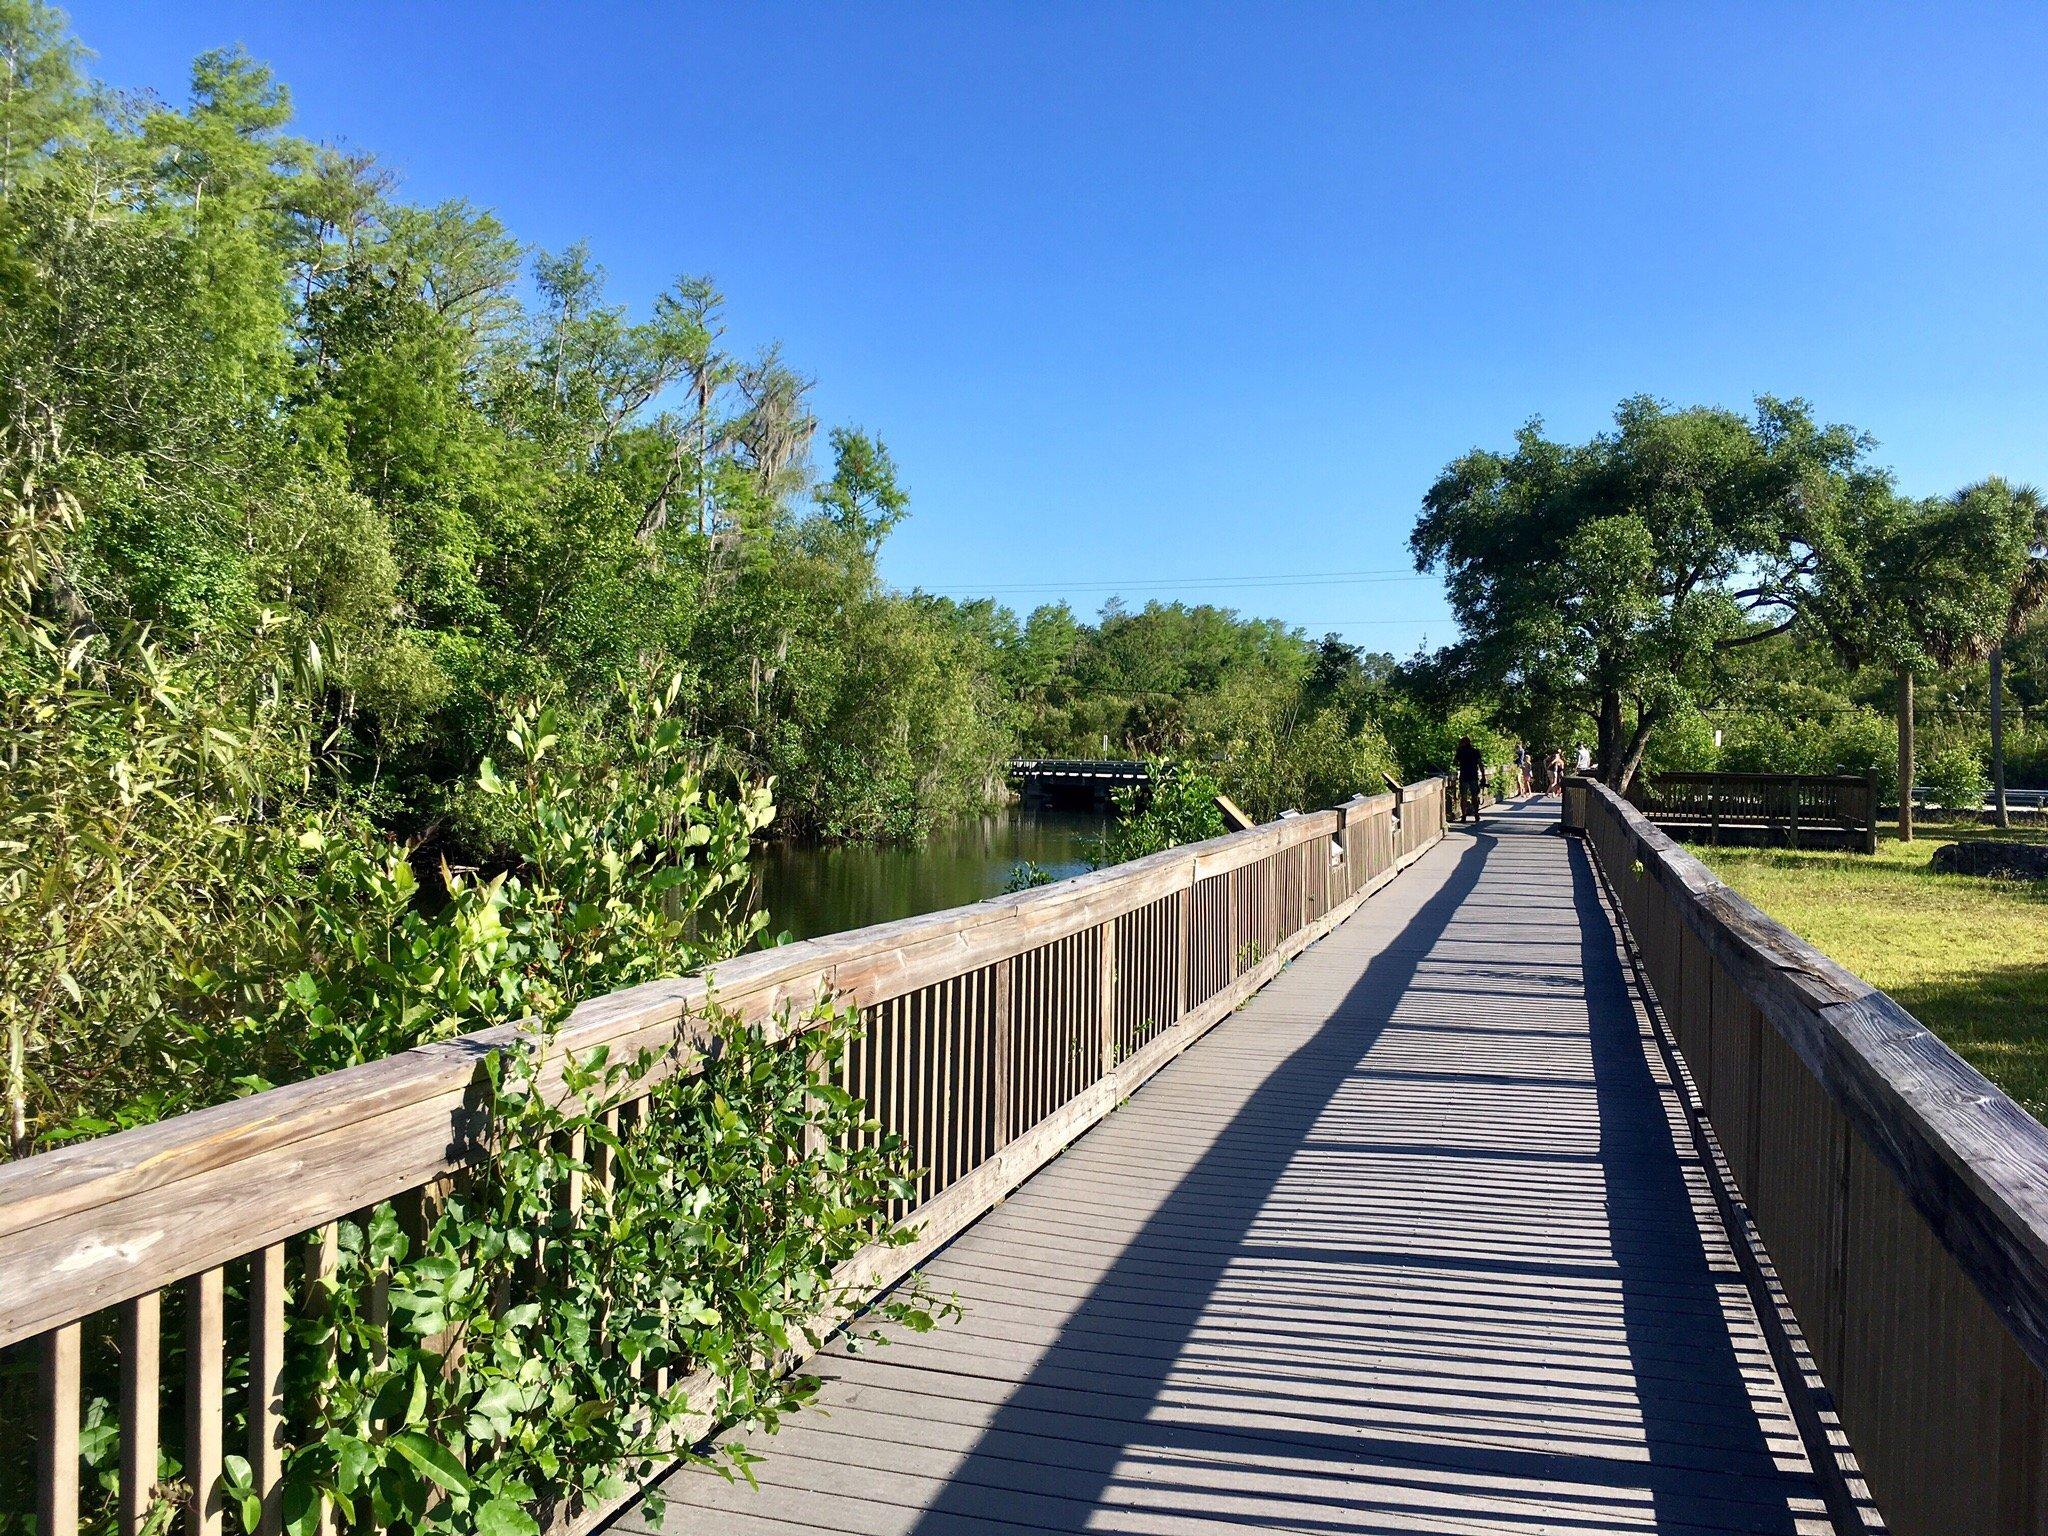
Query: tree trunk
(1999, 812)
(1632, 756)
(1905, 757)
(1608, 748)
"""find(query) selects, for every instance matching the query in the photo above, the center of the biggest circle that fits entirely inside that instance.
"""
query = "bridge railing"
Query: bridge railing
(994, 1035)
(1810, 808)
(1901, 1198)
(1083, 767)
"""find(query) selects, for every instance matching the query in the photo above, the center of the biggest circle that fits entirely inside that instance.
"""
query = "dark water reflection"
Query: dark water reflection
(811, 890)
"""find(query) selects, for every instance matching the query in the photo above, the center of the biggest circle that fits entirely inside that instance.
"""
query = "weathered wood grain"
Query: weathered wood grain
(57, 1470)
(141, 1344)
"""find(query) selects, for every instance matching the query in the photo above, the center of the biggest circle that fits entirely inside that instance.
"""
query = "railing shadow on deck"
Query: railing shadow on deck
(1643, 1167)
(1226, 1193)
(1250, 1160)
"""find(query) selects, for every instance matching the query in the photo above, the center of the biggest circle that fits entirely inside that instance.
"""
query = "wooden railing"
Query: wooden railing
(995, 1034)
(1901, 1199)
(1793, 808)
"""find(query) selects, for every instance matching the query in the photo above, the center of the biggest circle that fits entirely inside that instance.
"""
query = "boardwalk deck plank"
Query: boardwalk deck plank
(1417, 1242)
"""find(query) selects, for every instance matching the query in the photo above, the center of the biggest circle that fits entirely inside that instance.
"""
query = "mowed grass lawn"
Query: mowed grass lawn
(1967, 956)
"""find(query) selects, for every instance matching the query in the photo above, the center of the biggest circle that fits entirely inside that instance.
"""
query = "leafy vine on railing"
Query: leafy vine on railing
(629, 1261)
(527, 1354)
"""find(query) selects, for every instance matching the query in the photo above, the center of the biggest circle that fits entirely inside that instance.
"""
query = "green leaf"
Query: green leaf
(502, 1517)
(433, 1459)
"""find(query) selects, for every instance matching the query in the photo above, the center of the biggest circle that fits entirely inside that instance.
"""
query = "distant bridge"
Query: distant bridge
(1070, 781)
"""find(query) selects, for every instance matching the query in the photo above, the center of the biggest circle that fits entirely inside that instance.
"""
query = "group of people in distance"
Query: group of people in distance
(1471, 765)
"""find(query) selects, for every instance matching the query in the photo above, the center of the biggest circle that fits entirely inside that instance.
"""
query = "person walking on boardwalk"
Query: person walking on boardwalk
(1469, 763)
(1525, 776)
(1556, 785)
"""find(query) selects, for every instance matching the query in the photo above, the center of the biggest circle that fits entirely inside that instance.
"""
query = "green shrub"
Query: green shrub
(1836, 741)
(1026, 876)
(1683, 744)
(1422, 740)
(1177, 807)
(1954, 776)
(2026, 758)
(526, 1352)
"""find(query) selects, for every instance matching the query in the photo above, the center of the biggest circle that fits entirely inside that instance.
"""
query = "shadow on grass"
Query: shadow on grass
(1996, 1019)
(1967, 955)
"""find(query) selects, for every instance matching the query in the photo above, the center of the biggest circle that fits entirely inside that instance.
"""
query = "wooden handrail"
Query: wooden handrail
(1902, 1196)
(1057, 1002)
(1715, 775)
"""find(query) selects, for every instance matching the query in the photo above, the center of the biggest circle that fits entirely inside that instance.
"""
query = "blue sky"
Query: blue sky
(1177, 300)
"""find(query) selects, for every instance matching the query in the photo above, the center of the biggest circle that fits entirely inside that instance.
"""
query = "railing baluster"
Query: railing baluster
(967, 1021)
(922, 1078)
(945, 1049)
(266, 1382)
(141, 1343)
(1005, 1050)
(1105, 979)
(57, 1477)
(204, 1365)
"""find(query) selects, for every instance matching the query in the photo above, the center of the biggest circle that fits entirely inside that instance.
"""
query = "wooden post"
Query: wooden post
(1870, 810)
(1234, 819)
(321, 1261)
(266, 1382)
(1184, 904)
(204, 1369)
(141, 1350)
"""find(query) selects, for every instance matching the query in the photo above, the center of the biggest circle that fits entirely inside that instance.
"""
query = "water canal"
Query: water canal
(812, 889)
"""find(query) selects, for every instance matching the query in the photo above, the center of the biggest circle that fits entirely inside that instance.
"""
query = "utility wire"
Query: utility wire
(1154, 584)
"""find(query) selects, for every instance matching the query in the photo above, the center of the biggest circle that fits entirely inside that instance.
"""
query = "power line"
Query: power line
(1287, 579)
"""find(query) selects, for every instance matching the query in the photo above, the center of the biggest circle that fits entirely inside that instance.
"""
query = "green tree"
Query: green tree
(1610, 579)
(42, 94)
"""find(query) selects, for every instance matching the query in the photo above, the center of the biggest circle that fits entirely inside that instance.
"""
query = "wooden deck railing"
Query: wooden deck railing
(1901, 1198)
(995, 1034)
(1796, 808)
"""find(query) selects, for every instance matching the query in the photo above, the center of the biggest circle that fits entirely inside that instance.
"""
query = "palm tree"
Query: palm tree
(1942, 578)
(2029, 598)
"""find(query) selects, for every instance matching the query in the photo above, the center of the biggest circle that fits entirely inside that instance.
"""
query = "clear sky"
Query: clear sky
(1181, 300)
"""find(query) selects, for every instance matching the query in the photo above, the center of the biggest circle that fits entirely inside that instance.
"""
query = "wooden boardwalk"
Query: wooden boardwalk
(1415, 1242)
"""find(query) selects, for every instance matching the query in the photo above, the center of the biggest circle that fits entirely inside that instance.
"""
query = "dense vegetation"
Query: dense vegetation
(285, 400)
(312, 495)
